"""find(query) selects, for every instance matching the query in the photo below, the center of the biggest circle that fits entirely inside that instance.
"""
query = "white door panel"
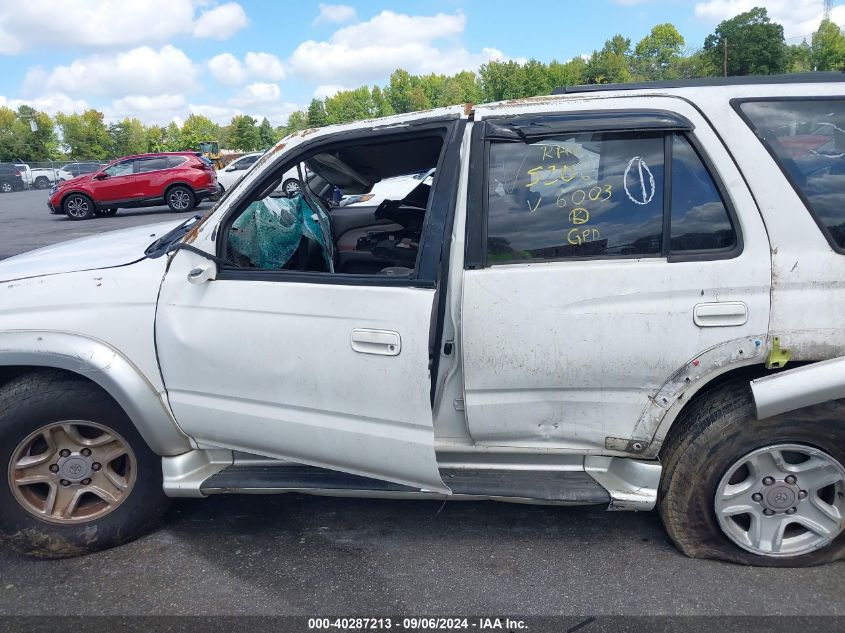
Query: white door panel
(270, 368)
(566, 354)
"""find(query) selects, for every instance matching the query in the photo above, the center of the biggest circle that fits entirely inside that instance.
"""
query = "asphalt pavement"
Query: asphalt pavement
(312, 556)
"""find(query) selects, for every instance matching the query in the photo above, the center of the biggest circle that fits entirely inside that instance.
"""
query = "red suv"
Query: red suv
(178, 179)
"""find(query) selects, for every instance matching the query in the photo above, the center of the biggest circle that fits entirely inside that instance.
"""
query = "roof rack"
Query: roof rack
(794, 78)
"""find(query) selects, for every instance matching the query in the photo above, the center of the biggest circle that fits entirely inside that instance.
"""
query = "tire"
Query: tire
(78, 206)
(707, 460)
(180, 199)
(45, 399)
(6, 187)
(106, 212)
(291, 187)
(42, 182)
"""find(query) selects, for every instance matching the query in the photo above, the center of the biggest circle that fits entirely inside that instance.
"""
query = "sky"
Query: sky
(161, 60)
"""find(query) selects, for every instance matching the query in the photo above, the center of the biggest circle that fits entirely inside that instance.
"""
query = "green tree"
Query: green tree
(656, 55)
(243, 133)
(571, 73)
(155, 137)
(173, 138)
(461, 88)
(349, 105)
(381, 105)
(500, 80)
(18, 141)
(611, 64)
(398, 91)
(85, 135)
(266, 135)
(127, 138)
(198, 128)
(755, 44)
(296, 121)
(317, 113)
(828, 47)
(799, 58)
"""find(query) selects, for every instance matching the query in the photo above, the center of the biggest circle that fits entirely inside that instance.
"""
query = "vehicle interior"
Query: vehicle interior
(309, 232)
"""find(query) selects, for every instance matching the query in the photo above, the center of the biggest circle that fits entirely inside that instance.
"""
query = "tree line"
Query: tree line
(748, 44)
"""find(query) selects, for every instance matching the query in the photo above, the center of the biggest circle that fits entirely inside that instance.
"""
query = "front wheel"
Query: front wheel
(78, 207)
(79, 477)
(757, 492)
(180, 199)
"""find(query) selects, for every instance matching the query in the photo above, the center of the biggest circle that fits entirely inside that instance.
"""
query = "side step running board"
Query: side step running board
(566, 487)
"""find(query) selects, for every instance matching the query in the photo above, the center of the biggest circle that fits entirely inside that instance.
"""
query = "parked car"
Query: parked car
(42, 177)
(230, 175)
(178, 179)
(10, 178)
(628, 296)
(388, 189)
(78, 169)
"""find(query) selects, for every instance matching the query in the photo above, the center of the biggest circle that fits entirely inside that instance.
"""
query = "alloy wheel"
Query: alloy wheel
(7, 187)
(77, 207)
(180, 199)
(292, 188)
(782, 500)
(72, 472)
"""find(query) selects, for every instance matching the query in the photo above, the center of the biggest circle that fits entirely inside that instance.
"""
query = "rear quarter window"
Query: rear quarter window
(807, 139)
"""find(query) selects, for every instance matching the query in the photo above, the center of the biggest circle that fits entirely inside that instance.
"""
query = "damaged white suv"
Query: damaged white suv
(631, 296)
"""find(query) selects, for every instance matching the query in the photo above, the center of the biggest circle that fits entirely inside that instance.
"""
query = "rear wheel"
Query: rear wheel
(291, 187)
(180, 199)
(757, 492)
(79, 477)
(42, 182)
(78, 207)
(6, 186)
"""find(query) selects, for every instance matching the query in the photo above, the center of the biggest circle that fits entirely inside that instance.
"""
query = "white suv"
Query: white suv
(627, 295)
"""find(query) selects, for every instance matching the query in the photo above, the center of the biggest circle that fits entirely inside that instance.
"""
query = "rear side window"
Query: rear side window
(807, 138)
(603, 195)
(175, 161)
(152, 164)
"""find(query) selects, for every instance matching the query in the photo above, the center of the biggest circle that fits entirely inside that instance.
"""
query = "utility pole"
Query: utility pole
(725, 57)
(828, 6)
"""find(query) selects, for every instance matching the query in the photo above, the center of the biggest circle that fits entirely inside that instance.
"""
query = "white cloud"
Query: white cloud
(255, 94)
(335, 13)
(50, 103)
(228, 69)
(158, 109)
(221, 22)
(111, 23)
(327, 90)
(798, 17)
(276, 113)
(368, 51)
(140, 71)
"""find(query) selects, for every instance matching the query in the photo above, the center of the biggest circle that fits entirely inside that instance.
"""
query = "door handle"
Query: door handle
(380, 342)
(720, 314)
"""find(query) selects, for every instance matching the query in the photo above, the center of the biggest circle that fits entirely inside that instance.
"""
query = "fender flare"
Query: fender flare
(108, 368)
(800, 387)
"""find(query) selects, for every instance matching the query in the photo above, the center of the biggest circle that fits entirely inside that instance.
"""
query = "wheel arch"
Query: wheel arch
(77, 191)
(179, 183)
(98, 362)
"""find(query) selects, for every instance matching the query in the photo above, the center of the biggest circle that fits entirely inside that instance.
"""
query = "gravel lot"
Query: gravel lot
(296, 555)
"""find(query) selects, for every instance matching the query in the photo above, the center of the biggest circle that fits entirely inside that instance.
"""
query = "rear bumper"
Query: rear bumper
(211, 193)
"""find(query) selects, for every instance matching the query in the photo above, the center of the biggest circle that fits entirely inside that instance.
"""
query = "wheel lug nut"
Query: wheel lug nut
(790, 479)
(757, 497)
(86, 482)
(96, 466)
(768, 512)
(65, 482)
(54, 468)
(768, 481)
(64, 452)
(85, 452)
(791, 511)
(802, 494)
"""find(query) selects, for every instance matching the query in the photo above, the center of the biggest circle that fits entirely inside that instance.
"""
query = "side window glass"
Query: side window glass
(175, 161)
(700, 220)
(152, 164)
(582, 195)
(120, 169)
(807, 138)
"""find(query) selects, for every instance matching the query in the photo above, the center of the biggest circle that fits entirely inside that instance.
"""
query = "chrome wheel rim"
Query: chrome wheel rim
(179, 199)
(782, 500)
(72, 472)
(77, 207)
(7, 187)
(292, 188)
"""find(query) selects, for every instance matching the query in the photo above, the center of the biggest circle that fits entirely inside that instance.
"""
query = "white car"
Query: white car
(42, 177)
(232, 173)
(630, 296)
(388, 189)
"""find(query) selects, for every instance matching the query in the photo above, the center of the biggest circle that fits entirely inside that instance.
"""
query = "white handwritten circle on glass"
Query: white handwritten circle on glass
(646, 178)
